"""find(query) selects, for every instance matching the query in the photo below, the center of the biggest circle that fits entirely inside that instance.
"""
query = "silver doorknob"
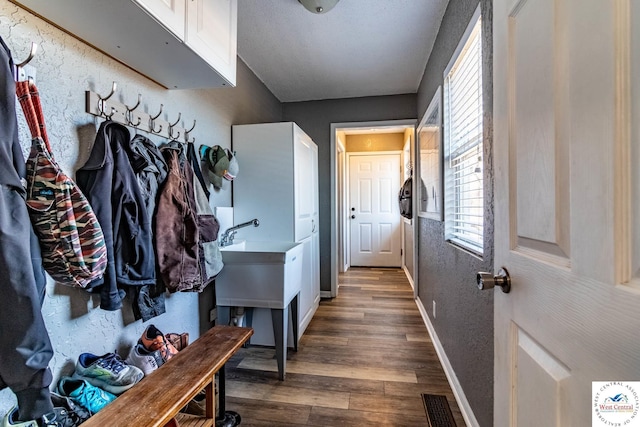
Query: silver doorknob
(487, 280)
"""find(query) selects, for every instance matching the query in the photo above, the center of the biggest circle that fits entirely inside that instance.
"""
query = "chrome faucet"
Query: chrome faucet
(229, 234)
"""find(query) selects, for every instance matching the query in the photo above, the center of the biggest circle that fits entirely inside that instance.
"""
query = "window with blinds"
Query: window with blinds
(464, 206)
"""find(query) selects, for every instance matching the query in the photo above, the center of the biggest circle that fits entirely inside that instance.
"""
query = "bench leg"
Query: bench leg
(225, 418)
(280, 318)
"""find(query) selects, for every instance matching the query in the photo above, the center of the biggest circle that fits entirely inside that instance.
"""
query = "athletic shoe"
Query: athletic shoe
(152, 339)
(84, 394)
(60, 417)
(75, 411)
(108, 372)
(11, 419)
(147, 361)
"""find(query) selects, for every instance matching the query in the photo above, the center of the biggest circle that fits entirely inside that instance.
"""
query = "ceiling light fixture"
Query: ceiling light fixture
(318, 6)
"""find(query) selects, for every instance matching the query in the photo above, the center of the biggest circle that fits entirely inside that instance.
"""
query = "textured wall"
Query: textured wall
(315, 118)
(464, 315)
(66, 68)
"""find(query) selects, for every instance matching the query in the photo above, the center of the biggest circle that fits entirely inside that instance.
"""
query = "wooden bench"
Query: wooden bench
(158, 398)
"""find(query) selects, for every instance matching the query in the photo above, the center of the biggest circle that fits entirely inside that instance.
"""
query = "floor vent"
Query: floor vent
(438, 411)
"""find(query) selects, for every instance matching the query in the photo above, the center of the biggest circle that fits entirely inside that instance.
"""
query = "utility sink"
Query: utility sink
(259, 274)
(263, 275)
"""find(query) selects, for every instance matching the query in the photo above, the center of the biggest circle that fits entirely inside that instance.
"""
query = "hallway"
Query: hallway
(364, 360)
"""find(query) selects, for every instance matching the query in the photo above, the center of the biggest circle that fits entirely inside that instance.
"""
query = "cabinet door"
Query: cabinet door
(306, 298)
(305, 151)
(212, 34)
(170, 13)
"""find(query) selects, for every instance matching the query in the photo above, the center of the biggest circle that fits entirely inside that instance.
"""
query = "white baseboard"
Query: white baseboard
(325, 294)
(458, 392)
(409, 278)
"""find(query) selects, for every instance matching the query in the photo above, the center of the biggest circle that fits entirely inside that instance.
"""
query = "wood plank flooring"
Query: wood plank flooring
(364, 360)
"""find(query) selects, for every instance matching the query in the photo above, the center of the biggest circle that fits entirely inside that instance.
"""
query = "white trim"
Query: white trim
(458, 392)
(333, 180)
(325, 294)
(462, 42)
(406, 273)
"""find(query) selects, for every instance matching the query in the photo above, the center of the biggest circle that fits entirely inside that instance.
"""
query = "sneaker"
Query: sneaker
(11, 419)
(152, 339)
(60, 417)
(79, 413)
(108, 372)
(84, 394)
(147, 361)
(179, 341)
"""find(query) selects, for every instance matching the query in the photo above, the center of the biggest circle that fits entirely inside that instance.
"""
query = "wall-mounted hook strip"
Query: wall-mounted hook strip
(108, 108)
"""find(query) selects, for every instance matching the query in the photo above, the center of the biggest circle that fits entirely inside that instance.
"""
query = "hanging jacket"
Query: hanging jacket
(25, 348)
(150, 170)
(109, 183)
(185, 231)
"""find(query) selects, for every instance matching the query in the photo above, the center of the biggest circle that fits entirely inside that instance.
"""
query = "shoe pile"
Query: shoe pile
(98, 380)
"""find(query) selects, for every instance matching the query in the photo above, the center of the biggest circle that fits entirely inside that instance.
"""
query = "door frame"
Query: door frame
(337, 218)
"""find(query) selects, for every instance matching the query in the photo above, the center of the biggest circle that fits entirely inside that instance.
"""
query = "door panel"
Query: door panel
(564, 192)
(374, 181)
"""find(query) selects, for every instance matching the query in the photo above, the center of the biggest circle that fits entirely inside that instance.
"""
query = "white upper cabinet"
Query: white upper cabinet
(170, 13)
(180, 44)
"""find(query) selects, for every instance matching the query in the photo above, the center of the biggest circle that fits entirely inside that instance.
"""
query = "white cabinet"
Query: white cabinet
(181, 44)
(208, 27)
(278, 184)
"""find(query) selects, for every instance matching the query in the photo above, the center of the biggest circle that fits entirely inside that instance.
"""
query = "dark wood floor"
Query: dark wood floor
(364, 360)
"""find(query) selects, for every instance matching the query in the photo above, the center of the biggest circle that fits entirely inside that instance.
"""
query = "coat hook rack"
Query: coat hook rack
(107, 108)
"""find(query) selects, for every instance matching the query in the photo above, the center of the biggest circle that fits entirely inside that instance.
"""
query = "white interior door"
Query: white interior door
(567, 205)
(374, 182)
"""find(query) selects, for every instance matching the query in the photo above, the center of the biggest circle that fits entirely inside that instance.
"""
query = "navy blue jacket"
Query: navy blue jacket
(109, 183)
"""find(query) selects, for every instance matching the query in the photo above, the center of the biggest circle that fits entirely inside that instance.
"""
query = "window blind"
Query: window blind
(464, 210)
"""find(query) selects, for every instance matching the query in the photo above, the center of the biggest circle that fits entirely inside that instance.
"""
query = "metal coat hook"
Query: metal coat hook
(32, 54)
(159, 112)
(130, 110)
(152, 125)
(186, 133)
(171, 125)
(101, 101)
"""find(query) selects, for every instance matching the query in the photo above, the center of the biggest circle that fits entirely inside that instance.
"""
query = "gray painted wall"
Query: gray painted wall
(315, 118)
(66, 68)
(464, 315)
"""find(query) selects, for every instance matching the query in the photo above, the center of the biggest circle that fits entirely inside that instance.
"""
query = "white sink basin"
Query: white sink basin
(259, 274)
